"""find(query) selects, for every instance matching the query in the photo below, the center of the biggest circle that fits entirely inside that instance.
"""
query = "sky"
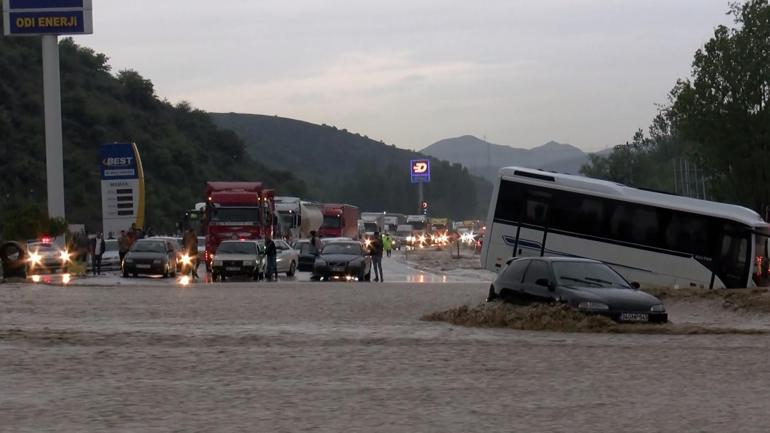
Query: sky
(412, 72)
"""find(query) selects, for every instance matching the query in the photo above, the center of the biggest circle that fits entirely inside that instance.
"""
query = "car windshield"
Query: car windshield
(149, 247)
(332, 222)
(237, 248)
(307, 249)
(588, 274)
(342, 248)
(417, 225)
(371, 227)
(41, 248)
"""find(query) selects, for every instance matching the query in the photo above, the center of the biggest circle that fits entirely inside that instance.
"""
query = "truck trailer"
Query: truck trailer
(339, 220)
(297, 218)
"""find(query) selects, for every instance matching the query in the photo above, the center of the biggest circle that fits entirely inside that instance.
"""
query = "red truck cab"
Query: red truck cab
(340, 220)
(236, 210)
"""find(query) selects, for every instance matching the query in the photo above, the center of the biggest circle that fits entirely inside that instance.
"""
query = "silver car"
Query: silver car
(287, 258)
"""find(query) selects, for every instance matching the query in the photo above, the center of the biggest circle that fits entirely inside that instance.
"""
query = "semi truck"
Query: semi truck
(297, 218)
(391, 221)
(420, 229)
(339, 220)
(236, 210)
(373, 222)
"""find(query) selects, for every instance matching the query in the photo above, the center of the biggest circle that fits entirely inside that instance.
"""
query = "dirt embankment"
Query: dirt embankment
(561, 318)
(755, 300)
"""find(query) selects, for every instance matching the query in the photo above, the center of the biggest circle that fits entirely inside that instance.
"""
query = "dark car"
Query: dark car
(343, 259)
(307, 256)
(587, 285)
(152, 256)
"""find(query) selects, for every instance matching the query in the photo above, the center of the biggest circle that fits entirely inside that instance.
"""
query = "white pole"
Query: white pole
(54, 160)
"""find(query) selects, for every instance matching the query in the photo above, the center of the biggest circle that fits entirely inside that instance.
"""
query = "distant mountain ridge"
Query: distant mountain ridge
(338, 165)
(484, 159)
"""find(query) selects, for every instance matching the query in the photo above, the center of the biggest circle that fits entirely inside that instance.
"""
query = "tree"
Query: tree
(724, 107)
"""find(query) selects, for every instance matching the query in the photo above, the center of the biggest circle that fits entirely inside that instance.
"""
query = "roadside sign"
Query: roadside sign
(47, 17)
(419, 170)
(122, 187)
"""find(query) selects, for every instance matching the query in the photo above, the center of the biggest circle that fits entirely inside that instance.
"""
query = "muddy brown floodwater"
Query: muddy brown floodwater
(354, 358)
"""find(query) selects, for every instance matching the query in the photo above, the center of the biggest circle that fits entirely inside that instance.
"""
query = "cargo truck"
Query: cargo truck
(236, 210)
(339, 220)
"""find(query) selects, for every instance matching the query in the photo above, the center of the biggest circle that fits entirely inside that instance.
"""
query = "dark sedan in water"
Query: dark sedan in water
(587, 285)
(154, 256)
(343, 260)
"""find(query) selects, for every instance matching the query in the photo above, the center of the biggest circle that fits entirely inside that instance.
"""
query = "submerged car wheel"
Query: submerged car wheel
(491, 296)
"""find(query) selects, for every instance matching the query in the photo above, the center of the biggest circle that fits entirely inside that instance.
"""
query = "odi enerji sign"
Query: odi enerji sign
(47, 17)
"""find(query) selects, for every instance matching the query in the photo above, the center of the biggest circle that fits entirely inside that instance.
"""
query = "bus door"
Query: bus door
(733, 262)
(536, 213)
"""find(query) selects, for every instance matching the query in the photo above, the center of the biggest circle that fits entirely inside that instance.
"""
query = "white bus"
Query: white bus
(653, 238)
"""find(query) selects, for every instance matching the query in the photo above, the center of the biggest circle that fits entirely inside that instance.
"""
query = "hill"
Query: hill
(474, 153)
(180, 147)
(341, 166)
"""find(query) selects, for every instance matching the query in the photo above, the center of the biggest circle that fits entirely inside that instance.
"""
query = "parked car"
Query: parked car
(287, 258)
(152, 256)
(587, 285)
(44, 257)
(307, 255)
(110, 258)
(342, 259)
(244, 258)
(178, 247)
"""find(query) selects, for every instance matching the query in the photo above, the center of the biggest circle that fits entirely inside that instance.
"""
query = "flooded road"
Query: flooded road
(351, 357)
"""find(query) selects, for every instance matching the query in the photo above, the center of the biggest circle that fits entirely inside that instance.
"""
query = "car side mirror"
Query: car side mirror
(545, 283)
(636, 285)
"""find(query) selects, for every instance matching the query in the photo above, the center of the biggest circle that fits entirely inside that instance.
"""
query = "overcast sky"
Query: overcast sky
(411, 72)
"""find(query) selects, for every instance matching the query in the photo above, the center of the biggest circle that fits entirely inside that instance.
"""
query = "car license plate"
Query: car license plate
(634, 317)
(143, 266)
(232, 268)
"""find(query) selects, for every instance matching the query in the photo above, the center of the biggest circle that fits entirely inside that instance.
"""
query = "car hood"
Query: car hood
(234, 257)
(616, 298)
(339, 257)
(145, 255)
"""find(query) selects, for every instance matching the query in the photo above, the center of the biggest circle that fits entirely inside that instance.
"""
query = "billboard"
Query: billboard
(122, 187)
(47, 17)
(419, 169)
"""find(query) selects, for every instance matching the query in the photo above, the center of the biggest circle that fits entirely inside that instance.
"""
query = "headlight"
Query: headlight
(217, 263)
(319, 262)
(156, 262)
(34, 258)
(659, 308)
(593, 306)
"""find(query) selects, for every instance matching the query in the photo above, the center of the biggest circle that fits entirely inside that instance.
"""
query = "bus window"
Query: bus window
(536, 208)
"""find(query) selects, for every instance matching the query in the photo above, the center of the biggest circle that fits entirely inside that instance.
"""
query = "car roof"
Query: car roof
(341, 242)
(553, 259)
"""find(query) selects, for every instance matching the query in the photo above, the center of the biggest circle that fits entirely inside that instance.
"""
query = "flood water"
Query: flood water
(351, 357)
